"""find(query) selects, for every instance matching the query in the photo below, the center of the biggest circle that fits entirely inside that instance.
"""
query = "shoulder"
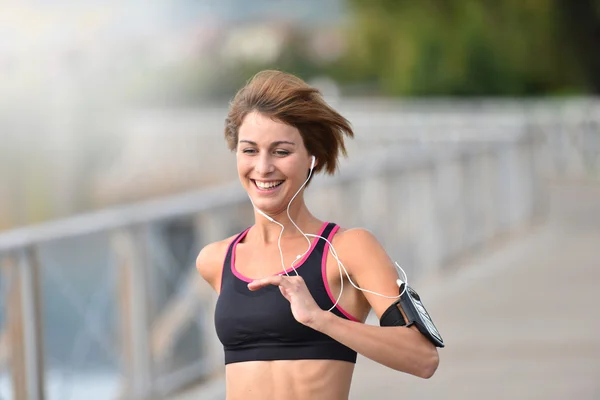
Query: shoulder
(370, 266)
(356, 240)
(359, 248)
(209, 262)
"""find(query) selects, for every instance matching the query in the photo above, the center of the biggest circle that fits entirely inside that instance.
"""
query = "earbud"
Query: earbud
(312, 164)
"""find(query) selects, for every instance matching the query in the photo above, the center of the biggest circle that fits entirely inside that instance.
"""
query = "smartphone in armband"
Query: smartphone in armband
(416, 314)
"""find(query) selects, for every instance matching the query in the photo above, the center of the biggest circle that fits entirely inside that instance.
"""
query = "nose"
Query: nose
(264, 165)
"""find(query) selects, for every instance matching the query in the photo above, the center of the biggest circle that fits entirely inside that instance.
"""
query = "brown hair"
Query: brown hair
(288, 99)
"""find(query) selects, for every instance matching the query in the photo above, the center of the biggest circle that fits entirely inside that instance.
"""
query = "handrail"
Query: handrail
(208, 198)
(122, 216)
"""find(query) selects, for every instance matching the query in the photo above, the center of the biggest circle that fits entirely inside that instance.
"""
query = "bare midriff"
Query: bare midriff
(289, 380)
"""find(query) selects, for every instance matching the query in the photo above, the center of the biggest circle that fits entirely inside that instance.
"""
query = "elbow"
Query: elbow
(430, 364)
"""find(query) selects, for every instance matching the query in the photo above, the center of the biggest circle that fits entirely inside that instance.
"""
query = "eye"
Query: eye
(282, 153)
(249, 151)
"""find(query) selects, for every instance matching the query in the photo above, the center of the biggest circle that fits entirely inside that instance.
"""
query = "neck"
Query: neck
(269, 231)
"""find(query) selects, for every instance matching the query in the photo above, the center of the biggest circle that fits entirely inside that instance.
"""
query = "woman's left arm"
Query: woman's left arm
(370, 267)
(401, 348)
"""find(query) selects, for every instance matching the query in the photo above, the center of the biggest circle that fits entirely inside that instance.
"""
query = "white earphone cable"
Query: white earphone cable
(332, 250)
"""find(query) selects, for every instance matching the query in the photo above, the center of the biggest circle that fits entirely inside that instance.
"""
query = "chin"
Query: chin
(271, 207)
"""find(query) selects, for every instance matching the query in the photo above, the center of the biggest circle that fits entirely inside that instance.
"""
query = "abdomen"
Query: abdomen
(289, 379)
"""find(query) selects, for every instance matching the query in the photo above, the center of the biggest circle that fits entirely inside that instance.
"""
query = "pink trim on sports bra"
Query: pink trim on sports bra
(246, 279)
(326, 282)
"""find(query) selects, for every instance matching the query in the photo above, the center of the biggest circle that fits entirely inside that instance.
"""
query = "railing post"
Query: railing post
(12, 350)
(27, 332)
(133, 316)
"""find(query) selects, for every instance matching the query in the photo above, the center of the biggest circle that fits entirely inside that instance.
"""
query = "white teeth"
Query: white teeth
(267, 185)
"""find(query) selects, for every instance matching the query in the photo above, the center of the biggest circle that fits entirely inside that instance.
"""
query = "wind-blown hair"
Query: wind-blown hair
(288, 99)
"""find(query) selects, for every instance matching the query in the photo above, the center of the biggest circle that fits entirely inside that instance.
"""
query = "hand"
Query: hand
(293, 288)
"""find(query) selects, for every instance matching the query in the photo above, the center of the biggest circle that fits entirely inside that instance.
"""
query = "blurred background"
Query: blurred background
(477, 141)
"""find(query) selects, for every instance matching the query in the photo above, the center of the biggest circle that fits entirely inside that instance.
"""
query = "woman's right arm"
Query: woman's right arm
(209, 262)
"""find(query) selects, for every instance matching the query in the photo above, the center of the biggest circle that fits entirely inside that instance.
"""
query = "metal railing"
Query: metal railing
(103, 277)
(109, 304)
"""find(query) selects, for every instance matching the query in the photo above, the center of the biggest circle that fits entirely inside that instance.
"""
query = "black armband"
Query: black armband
(416, 314)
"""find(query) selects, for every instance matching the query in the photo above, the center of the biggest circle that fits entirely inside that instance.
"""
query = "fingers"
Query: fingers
(261, 283)
(276, 280)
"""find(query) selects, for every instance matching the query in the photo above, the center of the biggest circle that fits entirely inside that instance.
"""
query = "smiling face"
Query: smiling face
(272, 162)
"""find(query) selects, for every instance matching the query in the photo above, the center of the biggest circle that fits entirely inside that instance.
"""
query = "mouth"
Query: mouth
(266, 186)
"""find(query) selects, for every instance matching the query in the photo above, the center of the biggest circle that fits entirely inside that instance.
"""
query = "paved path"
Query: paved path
(521, 322)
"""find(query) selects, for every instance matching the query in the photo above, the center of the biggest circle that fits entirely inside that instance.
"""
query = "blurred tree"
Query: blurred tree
(473, 47)
(580, 30)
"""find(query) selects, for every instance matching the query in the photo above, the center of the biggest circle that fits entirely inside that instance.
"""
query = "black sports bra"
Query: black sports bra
(259, 325)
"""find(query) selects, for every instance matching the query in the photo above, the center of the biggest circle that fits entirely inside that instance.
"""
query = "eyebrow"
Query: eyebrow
(276, 143)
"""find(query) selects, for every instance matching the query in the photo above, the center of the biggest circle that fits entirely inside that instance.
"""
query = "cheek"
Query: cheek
(297, 173)
(244, 165)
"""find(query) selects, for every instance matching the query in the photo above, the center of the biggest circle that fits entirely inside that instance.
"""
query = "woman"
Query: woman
(283, 334)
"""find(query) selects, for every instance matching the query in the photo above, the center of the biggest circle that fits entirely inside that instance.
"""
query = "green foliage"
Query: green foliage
(462, 47)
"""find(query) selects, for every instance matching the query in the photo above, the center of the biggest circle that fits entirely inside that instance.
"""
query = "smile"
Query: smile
(267, 185)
